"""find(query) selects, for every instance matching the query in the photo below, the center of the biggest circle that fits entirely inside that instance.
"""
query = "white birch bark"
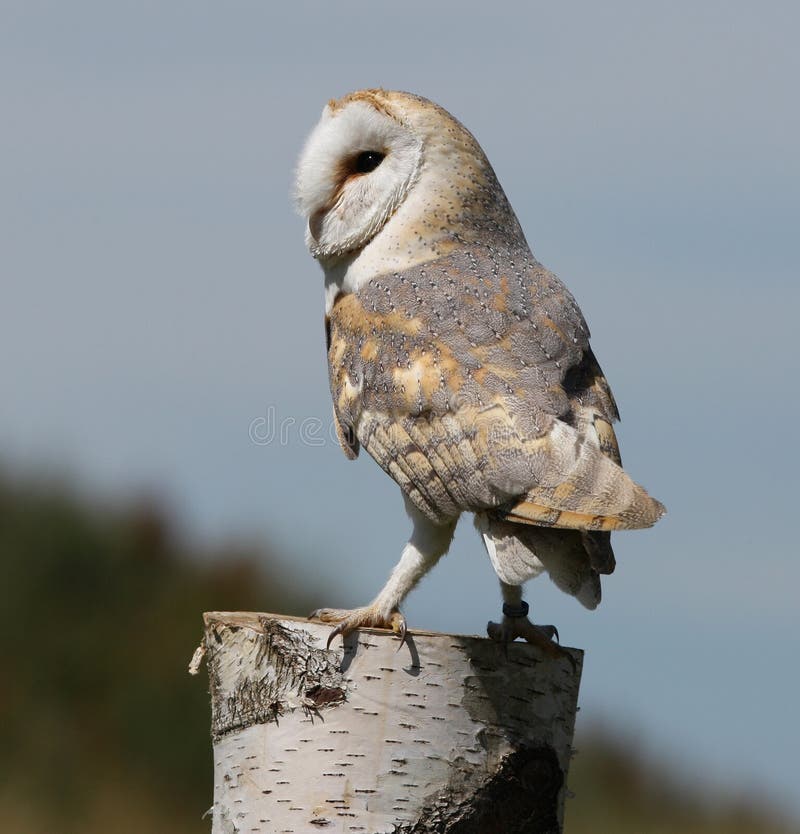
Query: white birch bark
(448, 734)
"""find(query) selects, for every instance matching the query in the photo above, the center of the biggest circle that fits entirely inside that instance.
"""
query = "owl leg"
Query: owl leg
(428, 543)
(515, 624)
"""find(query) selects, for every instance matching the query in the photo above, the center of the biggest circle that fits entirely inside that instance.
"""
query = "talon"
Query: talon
(402, 633)
(368, 617)
(550, 630)
(334, 632)
(514, 626)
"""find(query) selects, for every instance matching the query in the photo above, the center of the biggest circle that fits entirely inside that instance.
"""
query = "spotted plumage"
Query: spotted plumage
(456, 360)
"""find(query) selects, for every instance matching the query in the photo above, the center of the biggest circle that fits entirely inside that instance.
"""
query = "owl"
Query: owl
(458, 362)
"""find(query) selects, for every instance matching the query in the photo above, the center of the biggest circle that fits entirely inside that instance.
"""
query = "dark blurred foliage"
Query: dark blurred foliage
(619, 790)
(101, 727)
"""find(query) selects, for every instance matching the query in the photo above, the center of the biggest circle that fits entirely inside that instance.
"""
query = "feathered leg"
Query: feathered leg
(519, 553)
(428, 543)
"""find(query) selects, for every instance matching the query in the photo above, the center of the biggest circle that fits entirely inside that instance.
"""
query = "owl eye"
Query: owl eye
(368, 161)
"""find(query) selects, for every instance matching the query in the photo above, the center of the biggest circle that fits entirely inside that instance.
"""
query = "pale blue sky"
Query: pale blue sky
(157, 299)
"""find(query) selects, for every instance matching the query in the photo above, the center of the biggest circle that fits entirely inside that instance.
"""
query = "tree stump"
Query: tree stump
(447, 734)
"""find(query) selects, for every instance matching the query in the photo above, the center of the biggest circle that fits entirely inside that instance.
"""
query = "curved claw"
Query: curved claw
(369, 617)
(340, 629)
(551, 631)
(402, 633)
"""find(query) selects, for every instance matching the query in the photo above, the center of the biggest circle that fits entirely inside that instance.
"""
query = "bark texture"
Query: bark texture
(448, 734)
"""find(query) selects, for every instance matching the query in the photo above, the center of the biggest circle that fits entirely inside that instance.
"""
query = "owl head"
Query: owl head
(395, 175)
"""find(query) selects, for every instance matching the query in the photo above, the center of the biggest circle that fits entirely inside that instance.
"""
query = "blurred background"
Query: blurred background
(165, 416)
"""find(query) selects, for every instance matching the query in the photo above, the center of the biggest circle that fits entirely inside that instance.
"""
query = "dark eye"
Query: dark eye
(368, 161)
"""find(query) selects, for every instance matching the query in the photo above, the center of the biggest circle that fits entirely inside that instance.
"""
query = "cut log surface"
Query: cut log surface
(447, 734)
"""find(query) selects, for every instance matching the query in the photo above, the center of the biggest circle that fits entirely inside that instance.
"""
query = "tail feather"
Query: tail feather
(642, 514)
(601, 554)
(573, 484)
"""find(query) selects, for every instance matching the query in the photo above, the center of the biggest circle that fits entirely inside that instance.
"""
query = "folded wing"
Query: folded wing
(472, 383)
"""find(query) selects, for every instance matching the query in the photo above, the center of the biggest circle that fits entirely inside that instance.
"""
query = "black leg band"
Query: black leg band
(516, 611)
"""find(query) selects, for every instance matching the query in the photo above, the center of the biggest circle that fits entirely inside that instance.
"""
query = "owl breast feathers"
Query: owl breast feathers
(471, 382)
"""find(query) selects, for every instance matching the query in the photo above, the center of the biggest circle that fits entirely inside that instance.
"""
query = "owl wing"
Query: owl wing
(345, 434)
(595, 412)
(471, 382)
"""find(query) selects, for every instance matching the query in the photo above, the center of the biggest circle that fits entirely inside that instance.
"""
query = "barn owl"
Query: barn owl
(457, 361)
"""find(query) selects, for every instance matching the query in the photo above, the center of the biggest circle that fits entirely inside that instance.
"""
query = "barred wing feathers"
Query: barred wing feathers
(471, 382)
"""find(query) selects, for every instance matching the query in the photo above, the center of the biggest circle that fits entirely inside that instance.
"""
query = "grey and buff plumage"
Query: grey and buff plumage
(457, 361)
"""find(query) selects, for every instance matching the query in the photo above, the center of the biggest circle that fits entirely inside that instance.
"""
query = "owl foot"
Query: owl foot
(540, 635)
(367, 617)
(515, 624)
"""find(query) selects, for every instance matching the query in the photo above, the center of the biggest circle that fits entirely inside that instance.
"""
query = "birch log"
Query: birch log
(448, 734)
